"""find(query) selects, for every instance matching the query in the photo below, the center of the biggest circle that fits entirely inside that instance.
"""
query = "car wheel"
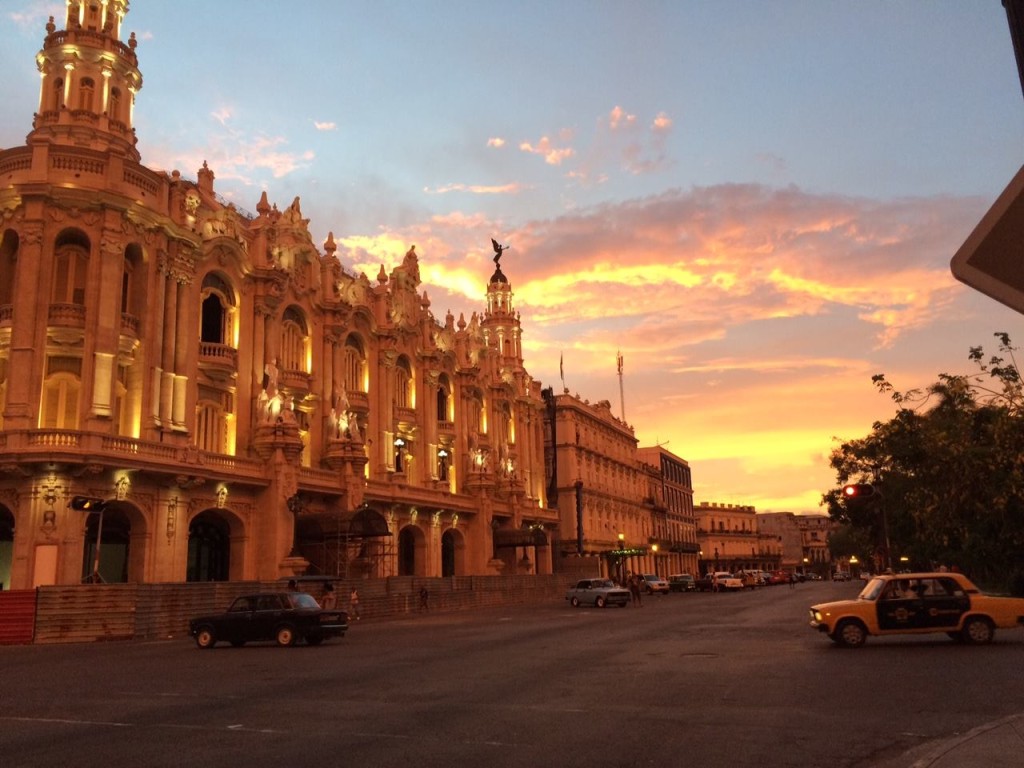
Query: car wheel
(205, 638)
(850, 634)
(285, 635)
(978, 631)
(575, 602)
(599, 602)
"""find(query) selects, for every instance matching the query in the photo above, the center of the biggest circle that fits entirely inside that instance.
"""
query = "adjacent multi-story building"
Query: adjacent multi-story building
(803, 539)
(244, 406)
(675, 526)
(730, 539)
(629, 508)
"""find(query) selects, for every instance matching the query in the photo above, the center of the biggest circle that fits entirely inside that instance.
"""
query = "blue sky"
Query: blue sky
(756, 202)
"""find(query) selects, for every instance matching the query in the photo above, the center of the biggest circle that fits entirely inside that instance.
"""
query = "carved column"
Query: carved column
(18, 411)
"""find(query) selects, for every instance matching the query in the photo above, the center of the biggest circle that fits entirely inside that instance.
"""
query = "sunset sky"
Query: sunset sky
(756, 202)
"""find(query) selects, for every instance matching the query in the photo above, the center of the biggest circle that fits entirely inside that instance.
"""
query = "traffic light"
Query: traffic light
(858, 491)
(87, 504)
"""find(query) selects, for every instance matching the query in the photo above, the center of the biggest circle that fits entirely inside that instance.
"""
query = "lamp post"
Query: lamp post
(654, 551)
(622, 547)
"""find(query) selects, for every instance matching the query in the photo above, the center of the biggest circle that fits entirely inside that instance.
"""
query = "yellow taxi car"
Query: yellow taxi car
(918, 603)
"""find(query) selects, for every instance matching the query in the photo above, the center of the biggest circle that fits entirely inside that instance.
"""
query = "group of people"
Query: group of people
(329, 600)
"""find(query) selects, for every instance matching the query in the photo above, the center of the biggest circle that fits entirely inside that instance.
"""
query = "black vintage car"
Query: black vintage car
(285, 617)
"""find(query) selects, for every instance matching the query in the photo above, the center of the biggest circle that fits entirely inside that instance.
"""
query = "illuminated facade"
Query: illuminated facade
(803, 538)
(625, 507)
(731, 540)
(246, 408)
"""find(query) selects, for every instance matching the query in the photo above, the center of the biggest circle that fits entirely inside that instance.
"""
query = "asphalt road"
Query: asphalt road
(735, 680)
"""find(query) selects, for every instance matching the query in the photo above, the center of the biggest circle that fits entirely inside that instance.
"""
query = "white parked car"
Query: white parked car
(653, 583)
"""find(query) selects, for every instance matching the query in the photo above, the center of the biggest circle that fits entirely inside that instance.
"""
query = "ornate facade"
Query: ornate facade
(244, 406)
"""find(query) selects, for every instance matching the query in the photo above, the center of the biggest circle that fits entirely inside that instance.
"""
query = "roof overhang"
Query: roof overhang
(991, 260)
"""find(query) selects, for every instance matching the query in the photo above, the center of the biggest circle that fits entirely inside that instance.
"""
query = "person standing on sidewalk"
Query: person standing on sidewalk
(329, 600)
(353, 603)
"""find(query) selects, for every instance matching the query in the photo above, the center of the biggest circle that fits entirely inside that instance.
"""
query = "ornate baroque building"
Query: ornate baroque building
(244, 406)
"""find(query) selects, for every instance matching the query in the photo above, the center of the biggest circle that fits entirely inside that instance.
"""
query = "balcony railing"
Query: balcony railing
(67, 315)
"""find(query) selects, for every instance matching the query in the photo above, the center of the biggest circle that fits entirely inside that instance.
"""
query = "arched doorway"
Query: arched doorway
(209, 548)
(6, 546)
(411, 552)
(107, 546)
(452, 553)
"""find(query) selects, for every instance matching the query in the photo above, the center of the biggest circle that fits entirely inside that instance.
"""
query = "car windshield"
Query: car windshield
(302, 600)
(872, 590)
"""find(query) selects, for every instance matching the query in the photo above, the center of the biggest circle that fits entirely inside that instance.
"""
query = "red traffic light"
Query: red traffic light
(87, 503)
(858, 491)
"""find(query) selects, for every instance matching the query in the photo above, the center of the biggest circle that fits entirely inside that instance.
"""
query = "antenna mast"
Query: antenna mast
(622, 396)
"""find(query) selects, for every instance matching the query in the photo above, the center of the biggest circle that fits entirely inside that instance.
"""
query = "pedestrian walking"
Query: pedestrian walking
(634, 590)
(424, 599)
(353, 603)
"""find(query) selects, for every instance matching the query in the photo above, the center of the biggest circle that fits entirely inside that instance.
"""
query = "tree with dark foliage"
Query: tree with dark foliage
(949, 471)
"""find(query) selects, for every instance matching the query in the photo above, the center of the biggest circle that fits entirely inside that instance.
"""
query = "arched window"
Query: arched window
(211, 427)
(71, 261)
(8, 266)
(217, 312)
(60, 401)
(86, 92)
(293, 341)
(114, 105)
(57, 97)
(443, 399)
(404, 392)
(354, 365)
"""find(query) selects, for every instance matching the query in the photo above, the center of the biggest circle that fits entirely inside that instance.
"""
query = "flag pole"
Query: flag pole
(622, 395)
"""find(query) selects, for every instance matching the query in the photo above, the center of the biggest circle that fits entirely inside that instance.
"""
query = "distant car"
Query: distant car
(751, 579)
(682, 582)
(284, 617)
(654, 584)
(597, 592)
(841, 576)
(725, 581)
(918, 603)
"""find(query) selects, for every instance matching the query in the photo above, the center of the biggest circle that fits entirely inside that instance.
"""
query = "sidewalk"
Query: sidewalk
(999, 744)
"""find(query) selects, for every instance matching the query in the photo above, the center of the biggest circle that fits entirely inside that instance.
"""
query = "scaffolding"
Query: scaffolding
(356, 547)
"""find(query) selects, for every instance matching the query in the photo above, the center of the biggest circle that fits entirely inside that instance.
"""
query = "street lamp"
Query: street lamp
(654, 550)
(90, 504)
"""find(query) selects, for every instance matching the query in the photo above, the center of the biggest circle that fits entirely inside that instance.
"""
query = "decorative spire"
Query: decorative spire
(89, 80)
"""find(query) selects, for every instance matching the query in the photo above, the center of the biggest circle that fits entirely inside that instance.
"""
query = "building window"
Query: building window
(71, 261)
(404, 392)
(354, 366)
(86, 93)
(293, 341)
(211, 427)
(60, 402)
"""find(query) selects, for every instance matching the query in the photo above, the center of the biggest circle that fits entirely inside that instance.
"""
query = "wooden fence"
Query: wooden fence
(92, 612)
